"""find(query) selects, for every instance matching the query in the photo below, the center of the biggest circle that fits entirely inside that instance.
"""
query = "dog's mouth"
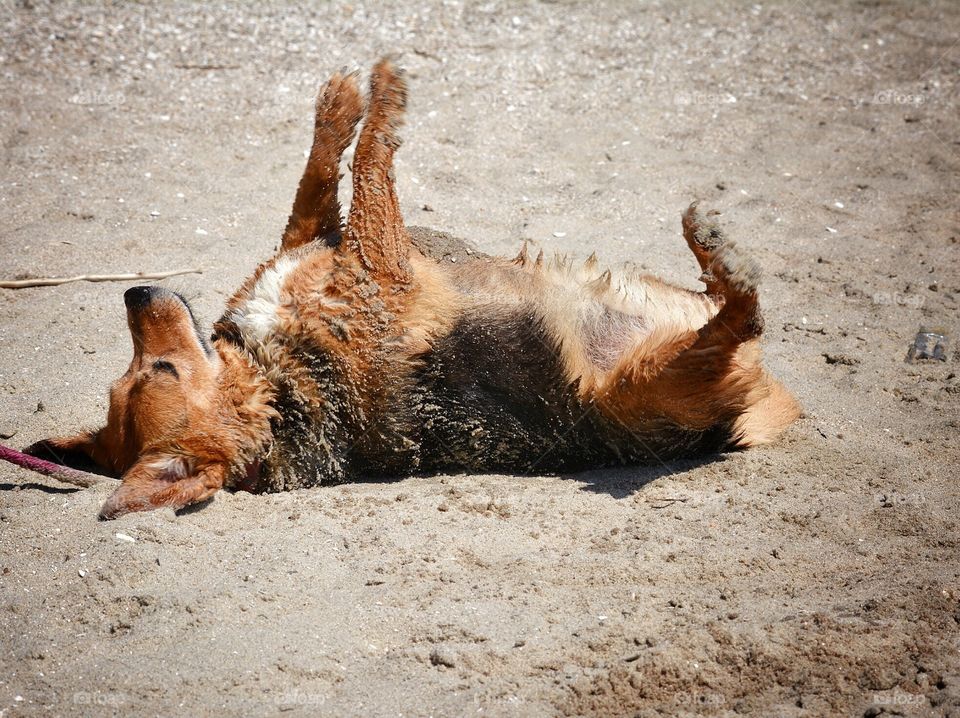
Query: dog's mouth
(157, 316)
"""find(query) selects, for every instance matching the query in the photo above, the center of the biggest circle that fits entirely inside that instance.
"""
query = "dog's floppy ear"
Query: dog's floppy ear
(160, 479)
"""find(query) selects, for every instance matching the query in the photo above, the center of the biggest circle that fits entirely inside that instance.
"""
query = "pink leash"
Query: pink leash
(48, 468)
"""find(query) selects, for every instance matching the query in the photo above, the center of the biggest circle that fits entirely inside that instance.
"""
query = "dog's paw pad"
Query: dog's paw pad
(701, 230)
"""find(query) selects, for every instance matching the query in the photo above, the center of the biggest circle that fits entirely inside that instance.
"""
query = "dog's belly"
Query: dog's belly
(492, 395)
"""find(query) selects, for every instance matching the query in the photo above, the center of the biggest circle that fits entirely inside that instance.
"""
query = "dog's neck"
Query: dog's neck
(295, 419)
(247, 403)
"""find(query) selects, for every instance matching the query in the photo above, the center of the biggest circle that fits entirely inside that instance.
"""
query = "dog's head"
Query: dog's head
(163, 420)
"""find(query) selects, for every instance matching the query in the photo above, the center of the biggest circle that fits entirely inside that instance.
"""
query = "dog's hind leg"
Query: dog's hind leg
(707, 376)
(375, 230)
(316, 210)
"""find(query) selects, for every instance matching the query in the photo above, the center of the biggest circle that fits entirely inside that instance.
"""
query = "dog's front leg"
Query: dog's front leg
(316, 210)
(159, 481)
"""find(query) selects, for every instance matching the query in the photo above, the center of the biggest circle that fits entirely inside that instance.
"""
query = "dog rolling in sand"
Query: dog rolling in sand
(353, 353)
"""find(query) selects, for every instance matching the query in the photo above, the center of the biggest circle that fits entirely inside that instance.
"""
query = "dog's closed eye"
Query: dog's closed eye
(165, 366)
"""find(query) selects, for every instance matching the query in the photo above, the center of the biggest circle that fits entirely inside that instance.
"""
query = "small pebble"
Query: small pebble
(125, 537)
(442, 657)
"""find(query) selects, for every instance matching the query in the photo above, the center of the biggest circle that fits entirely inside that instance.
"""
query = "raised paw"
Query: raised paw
(704, 237)
(339, 109)
(316, 210)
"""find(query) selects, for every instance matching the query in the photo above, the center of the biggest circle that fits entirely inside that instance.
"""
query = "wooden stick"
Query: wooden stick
(48, 468)
(54, 281)
(204, 66)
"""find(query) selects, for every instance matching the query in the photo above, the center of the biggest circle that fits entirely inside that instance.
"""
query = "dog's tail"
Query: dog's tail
(375, 228)
(316, 210)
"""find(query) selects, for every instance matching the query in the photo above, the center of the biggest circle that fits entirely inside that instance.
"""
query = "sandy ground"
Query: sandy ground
(815, 577)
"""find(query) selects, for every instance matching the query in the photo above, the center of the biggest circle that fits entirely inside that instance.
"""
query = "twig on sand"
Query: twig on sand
(204, 66)
(664, 502)
(54, 281)
(48, 468)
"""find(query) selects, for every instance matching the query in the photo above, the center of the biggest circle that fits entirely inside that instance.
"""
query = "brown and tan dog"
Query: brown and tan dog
(352, 353)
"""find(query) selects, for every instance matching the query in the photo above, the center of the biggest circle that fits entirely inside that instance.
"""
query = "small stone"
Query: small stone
(124, 537)
(928, 345)
(442, 657)
(841, 359)
(81, 573)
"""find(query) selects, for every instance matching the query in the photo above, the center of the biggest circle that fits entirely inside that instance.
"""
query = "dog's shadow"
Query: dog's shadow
(621, 482)
(31, 486)
(70, 459)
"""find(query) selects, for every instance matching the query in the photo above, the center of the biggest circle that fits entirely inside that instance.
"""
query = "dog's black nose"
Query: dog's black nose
(137, 297)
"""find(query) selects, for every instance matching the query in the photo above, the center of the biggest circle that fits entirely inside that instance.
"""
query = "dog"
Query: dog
(360, 350)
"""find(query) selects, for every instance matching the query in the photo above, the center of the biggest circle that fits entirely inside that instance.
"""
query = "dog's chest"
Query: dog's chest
(258, 312)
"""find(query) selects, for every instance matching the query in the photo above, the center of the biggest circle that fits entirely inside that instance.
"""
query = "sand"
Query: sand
(814, 577)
